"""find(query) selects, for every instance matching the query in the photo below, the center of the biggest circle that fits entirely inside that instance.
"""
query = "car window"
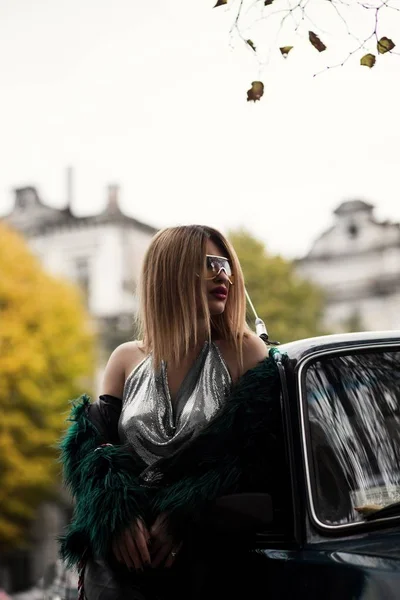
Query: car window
(353, 419)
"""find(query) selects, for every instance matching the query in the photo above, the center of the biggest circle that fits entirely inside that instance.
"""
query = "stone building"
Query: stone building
(357, 264)
(102, 253)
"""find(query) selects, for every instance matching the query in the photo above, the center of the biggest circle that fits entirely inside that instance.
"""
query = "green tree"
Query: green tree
(46, 358)
(290, 307)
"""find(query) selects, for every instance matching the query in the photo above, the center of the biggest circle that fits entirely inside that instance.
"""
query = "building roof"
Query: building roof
(353, 206)
(340, 240)
(31, 216)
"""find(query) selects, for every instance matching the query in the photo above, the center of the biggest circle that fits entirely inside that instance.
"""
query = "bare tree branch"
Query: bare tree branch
(297, 16)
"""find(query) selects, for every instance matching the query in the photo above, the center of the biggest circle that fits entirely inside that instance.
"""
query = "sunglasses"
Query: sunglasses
(216, 264)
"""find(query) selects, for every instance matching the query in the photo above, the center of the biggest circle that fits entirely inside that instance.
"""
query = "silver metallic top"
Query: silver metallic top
(155, 426)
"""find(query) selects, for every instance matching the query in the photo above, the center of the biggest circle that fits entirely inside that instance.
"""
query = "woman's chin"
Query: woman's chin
(216, 307)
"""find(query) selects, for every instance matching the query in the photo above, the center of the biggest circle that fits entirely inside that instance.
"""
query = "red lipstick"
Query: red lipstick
(220, 292)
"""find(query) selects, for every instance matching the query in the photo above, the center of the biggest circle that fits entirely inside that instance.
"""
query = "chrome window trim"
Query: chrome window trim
(306, 450)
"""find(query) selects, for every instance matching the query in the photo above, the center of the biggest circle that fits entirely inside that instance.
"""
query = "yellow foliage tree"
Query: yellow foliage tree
(290, 307)
(46, 358)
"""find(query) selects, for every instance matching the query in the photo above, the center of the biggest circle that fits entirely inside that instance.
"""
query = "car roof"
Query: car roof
(300, 349)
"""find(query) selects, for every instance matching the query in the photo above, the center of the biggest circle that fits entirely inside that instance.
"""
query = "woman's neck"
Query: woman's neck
(202, 332)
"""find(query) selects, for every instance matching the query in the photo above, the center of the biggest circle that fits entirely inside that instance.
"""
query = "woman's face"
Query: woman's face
(217, 289)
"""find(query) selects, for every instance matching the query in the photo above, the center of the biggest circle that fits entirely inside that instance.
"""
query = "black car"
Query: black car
(339, 535)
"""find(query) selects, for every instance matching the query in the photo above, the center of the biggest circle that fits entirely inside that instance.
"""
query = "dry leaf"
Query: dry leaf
(316, 42)
(385, 45)
(256, 91)
(251, 44)
(368, 60)
(285, 50)
(221, 3)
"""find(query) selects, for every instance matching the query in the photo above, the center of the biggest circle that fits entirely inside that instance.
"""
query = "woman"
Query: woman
(183, 412)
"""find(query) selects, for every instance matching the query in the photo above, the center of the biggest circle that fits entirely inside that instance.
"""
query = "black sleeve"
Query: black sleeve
(104, 415)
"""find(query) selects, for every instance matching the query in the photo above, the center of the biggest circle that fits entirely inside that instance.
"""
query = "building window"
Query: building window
(352, 230)
(82, 274)
(129, 285)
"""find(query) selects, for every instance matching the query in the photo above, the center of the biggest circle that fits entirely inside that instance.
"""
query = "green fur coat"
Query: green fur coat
(239, 450)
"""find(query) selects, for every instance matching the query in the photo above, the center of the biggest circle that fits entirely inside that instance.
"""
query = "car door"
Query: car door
(349, 414)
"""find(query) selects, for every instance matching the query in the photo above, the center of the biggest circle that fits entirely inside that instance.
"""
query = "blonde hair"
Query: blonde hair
(173, 298)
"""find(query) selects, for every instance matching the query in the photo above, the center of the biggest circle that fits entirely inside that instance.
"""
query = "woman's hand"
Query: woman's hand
(131, 547)
(163, 546)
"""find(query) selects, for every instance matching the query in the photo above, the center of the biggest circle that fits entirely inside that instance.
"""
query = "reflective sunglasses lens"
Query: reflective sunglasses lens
(215, 264)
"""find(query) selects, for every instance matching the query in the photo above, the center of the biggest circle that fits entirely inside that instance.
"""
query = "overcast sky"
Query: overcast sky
(152, 95)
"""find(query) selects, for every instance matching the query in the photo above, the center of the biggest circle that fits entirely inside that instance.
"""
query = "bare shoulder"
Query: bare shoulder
(121, 362)
(254, 351)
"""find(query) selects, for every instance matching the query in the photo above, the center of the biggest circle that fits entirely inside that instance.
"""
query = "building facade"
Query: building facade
(101, 253)
(357, 264)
